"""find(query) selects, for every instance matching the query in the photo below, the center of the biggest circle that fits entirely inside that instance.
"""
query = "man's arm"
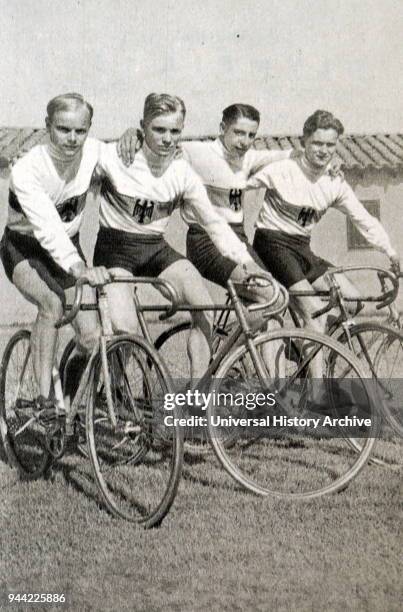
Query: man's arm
(367, 225)
(196, 198)
(265, 157)
(128, 145)
(260, 180)
(46, 223)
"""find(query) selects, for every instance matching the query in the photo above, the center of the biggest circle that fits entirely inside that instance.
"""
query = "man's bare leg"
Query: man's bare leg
(44, 334)
(273, 352)
(191, 290)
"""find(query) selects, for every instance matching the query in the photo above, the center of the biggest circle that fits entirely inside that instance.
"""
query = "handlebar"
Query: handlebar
(277, 290)
(78, 296)
(155, 282)
(282, 305)
(385, 298)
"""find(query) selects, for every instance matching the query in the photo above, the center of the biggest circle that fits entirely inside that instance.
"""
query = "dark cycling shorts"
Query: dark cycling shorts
(142, 255)
(205, 256)
(16, 247)
(289, 258)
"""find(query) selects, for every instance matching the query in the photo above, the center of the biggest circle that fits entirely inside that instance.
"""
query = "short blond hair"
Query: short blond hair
(162, 104)
(65, 102)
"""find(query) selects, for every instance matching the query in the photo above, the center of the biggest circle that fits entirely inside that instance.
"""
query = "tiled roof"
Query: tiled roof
(17, 140)
(355, 151)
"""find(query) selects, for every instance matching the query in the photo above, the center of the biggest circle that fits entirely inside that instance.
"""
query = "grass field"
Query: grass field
(219, 548)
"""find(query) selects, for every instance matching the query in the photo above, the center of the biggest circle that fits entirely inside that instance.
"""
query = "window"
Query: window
(355, 240)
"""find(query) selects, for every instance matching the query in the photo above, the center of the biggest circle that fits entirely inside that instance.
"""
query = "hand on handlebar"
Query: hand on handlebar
(260, 278)
(94, 276)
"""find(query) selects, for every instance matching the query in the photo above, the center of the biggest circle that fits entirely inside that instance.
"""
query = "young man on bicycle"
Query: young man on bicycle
(136, 204)
(40, 248)
(298, 193)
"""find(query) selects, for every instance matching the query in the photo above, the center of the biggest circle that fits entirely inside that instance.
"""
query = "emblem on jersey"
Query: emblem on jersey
(143, 211)
(69, 209)
(235, 199)
(306, 216)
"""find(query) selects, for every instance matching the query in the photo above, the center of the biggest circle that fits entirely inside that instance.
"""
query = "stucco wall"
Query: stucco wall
(330, 236)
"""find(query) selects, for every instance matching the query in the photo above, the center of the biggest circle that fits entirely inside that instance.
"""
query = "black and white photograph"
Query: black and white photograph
(201, 329)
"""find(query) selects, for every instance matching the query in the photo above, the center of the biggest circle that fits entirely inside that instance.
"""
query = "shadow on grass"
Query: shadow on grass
(78, 475)
(207, 460)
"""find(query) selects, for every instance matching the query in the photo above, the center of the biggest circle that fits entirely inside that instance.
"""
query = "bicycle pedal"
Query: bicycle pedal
(56, 443)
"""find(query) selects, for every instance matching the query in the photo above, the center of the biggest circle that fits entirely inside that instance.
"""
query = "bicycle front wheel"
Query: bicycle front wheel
(23, 439)
(276, 447)
(136, 456)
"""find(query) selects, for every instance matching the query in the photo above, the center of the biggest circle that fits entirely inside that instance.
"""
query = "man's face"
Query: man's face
(239, 136)
(163, 132)
(320, 147)
(68, 130)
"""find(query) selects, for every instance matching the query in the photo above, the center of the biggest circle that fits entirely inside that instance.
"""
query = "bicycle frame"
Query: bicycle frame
(243, 327)
(102, 307)
(337, 300)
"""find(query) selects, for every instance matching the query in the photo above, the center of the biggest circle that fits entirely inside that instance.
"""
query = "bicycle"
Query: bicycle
(265, 464)
(378, 345)
(136, 463)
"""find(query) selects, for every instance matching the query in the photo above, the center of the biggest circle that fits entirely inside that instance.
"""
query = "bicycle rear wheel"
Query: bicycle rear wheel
(380, 351)
(172, 346)
(23, 440)
(137, 461)
(67, 353)
(286, 456)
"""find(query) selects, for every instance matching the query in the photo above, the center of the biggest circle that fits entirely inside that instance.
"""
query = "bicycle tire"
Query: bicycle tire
(297, 466)
(68, 350)
(379, 348)
(173, 342)
(25, 450)
(172, 346)
(138, 463)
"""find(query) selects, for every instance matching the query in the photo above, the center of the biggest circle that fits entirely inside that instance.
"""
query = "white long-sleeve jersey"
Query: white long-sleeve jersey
(134, 200)
(225, 176)
(44, 205)
(296, 198)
